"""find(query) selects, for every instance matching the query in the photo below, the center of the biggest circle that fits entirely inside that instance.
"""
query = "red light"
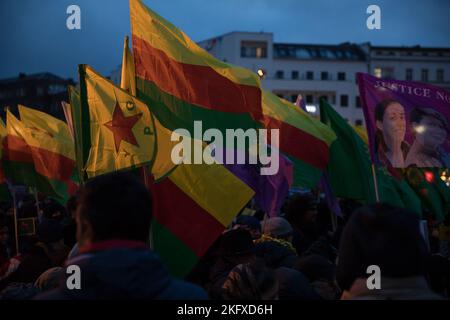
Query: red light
(429, 176)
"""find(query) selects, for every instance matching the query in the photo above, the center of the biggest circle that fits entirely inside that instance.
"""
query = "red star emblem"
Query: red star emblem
(121, 127)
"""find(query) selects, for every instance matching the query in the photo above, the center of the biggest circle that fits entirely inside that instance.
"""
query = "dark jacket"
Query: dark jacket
(293, 285)
(411, 288)
(123, 273)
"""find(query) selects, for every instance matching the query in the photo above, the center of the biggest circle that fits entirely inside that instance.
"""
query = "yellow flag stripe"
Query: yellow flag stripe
(214, 188)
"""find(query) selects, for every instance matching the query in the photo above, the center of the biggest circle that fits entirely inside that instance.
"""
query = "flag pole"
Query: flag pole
(375, 182)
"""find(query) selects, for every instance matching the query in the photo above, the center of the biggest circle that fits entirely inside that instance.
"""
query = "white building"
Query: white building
(431, 65)
(328, 70)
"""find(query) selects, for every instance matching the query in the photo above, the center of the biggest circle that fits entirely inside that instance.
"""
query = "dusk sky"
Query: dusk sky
(35, 38)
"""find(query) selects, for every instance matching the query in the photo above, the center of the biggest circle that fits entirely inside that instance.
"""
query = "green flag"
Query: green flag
(349, 168)
(433, 192)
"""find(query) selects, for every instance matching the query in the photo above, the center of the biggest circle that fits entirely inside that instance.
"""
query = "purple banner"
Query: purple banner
(407, 122)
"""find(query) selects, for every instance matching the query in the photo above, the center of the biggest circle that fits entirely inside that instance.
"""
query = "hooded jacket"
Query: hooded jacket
(122, 270)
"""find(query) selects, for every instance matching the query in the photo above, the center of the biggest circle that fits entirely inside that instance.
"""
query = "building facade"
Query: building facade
(41, 91)
(328, 71)
(430, 65)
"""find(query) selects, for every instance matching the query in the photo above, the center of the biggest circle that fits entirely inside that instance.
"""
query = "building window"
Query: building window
(20, 92)
(358, 102)
(341, 76)
(424, 76)
(344, 100)
(40, 91)
(358, 122)
(279, 95)
(279, 74)
(56, 88)
(294, 98)
(309, 75)
(254, 49)
(333, 99)
(387, 73)
(324, 75)
(377, 72)
(294, 75)
(409, 75)
(309, 98)
(440, 75)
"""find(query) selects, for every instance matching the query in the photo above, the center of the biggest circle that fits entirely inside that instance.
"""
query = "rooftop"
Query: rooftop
(34, 76)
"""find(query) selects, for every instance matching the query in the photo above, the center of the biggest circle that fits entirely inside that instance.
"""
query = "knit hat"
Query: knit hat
(277, 227)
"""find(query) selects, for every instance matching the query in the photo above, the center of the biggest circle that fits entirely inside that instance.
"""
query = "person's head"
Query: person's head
(278, 227)
(251, 281)
(301, 209)
(430, 128)
(249, 223)
(113, 206)
(385, 236)
(390, 121)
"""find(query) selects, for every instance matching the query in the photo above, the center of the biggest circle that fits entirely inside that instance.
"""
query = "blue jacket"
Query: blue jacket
(123, 273)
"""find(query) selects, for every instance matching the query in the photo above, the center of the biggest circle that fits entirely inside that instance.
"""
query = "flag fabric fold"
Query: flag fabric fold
(39, 152)
(304, 139)
(117, 129)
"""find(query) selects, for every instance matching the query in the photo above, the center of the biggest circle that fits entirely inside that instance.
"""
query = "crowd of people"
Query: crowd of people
(301, 254)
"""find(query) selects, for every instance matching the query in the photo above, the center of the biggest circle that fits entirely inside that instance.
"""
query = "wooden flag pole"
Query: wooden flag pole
(375, 182)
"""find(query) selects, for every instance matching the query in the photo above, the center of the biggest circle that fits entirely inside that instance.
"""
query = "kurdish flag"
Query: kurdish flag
(39, 152)
(117, 129)
(303, 139)
(75, 110)
(192, 206)
(162, 163)
(183, 83)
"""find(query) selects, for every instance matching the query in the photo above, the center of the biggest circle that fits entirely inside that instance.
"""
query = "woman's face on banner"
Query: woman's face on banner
(430, 132)
(394, 123)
